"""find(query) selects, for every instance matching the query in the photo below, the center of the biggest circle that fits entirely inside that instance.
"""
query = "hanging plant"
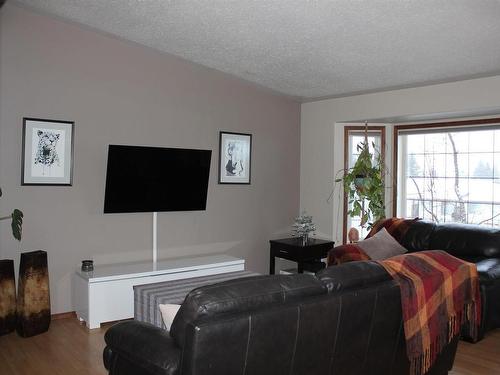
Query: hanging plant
(364, 185)
(16, 224)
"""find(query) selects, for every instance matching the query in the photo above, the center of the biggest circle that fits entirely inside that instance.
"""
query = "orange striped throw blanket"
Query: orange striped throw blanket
(439, 294)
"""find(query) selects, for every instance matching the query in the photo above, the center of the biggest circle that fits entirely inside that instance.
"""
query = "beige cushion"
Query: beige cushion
(168, 313)
(381, 246)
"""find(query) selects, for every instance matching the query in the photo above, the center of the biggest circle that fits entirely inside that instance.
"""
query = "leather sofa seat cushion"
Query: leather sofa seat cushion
(466, 240)
(487, 268)
(242, 295)
(353, 275)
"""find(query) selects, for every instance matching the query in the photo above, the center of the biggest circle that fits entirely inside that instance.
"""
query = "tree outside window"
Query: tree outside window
(450, 175)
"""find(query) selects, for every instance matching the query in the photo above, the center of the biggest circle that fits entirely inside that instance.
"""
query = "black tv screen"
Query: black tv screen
(150, 179)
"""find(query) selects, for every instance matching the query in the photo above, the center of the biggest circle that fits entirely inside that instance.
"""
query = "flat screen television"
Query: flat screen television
(154, 179)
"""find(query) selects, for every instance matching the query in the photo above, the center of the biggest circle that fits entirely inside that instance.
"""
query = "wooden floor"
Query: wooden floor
(70, 349)
(482, 358)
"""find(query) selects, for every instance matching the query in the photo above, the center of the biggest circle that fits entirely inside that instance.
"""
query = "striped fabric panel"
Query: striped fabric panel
(147, 297)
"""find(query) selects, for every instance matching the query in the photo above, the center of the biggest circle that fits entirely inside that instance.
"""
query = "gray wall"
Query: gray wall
(120, 92)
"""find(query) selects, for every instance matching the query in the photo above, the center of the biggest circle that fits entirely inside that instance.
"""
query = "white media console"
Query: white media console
(106, 294)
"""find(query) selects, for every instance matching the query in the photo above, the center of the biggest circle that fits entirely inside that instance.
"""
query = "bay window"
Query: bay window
(449, 172)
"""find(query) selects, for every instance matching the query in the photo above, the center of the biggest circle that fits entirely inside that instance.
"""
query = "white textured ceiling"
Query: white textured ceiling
(309, 49)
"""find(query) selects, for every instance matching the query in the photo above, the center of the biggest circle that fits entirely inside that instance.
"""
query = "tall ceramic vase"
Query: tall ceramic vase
(7, 297)
(33, 298)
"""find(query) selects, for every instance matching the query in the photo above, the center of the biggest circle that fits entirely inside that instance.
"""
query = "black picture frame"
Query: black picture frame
(235, 145)
(49, 162)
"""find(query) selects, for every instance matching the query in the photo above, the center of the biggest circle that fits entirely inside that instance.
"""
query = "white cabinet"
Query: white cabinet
(106, 294)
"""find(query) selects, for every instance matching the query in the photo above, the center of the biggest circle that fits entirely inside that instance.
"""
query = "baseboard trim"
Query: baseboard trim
(65, 315)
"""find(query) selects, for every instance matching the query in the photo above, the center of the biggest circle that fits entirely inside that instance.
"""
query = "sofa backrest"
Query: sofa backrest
(242, 295)
(418, 235)
(466, 240)
(355, 328)
(461, 240)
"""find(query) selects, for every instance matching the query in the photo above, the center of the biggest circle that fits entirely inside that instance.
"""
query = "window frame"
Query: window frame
(359, 129)
(444, 124)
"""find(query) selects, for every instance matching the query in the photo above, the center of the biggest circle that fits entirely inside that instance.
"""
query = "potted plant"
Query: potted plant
(364, 185)
(303, 226)
(8, 317)
(16, 218)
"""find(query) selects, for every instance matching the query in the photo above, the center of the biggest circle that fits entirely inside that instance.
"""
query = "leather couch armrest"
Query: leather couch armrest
(148, 346)
(352, 275)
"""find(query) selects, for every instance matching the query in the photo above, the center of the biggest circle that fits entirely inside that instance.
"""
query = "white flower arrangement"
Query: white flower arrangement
(303, 225)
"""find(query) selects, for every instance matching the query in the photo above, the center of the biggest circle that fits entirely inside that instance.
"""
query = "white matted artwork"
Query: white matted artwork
(235, 152)
(47, 152)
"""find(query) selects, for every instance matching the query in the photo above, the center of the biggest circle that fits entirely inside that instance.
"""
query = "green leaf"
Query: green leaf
(17, 224)
(364, 219)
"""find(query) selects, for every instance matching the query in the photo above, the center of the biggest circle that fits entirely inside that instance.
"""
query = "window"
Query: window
(353, 136)
(449, 173)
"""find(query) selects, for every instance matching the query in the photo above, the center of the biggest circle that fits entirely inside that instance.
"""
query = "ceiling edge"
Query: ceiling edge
(83, 26)
(404, 87)
(294, 98)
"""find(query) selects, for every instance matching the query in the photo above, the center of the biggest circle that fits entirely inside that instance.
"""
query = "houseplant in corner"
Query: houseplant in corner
(16, 218)
(364, 184)
(7, 278)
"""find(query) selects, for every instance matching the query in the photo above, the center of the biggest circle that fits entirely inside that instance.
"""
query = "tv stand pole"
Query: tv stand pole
(155, 239)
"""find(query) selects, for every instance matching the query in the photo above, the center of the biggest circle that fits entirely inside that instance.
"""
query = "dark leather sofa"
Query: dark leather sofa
(473, 243)
(345, 320)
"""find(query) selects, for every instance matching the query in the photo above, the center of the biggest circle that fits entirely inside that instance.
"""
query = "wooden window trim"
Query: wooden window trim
(447, 124)
(360, 129)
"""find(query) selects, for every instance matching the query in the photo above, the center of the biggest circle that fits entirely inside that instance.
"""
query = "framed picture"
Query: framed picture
(47, 152)
(235, 156)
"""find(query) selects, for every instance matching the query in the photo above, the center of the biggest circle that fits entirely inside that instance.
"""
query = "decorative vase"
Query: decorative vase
(7, 297)
(33, 299)
(305, 239)
(303, 226)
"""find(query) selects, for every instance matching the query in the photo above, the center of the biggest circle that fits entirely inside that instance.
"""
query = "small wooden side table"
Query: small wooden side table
(293, 249)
